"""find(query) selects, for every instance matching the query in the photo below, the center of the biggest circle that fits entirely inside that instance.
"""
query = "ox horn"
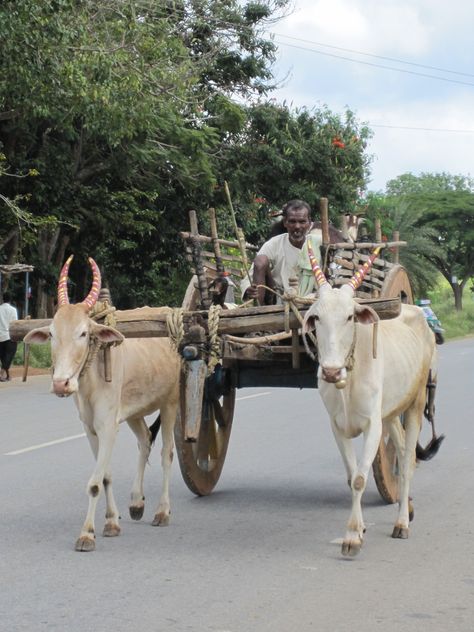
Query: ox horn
(359, 276)
(318, 273)
(91, 298)
(63, 298)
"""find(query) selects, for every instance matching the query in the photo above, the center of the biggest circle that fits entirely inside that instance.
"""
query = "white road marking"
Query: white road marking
(79, 436)
(252, 396)
(45, 445)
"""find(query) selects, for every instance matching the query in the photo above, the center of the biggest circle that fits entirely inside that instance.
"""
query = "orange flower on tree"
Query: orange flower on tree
(337, 142)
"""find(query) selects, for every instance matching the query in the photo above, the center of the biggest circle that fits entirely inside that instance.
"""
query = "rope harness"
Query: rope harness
(101, 310)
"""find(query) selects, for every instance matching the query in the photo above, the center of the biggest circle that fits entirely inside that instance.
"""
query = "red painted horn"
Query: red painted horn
(358, 277)
(318, 273)
(91, 298)
(63, 298)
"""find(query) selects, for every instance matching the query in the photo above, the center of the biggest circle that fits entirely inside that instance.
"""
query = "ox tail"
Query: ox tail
(430, 450)
(155, 428)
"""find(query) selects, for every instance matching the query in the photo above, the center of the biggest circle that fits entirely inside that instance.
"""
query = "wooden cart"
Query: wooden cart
(224, 350)
(203, 430)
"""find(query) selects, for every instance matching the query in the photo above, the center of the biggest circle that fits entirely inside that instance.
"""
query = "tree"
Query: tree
(395, 214)
(445, 204)
(120, 107)
(283, 153)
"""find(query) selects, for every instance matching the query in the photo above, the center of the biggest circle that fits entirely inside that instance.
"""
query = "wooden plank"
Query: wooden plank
(223, 242)
(367, 245)
(149, 322)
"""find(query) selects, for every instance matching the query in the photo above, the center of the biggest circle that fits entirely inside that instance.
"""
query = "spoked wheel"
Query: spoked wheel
(201, 461)
(385, 465)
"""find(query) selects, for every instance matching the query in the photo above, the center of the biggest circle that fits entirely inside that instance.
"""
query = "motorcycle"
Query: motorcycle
(432, 320)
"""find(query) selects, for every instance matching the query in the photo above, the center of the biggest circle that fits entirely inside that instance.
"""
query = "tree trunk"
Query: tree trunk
(457, 291)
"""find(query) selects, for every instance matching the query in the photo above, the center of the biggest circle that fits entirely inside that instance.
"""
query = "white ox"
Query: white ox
(361, 392)
(144, 378)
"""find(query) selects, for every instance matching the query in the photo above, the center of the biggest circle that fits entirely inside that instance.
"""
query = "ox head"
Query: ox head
(71, 333)
(333, 316)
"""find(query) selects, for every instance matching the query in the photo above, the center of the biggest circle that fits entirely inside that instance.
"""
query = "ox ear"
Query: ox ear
(38, 336)
(309, 323)
(365, 314)
(106, 334)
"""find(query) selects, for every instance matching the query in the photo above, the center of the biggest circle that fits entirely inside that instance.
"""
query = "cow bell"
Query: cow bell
(341, 384)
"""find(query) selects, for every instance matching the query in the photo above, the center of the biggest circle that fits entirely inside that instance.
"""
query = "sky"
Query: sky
(341, 54)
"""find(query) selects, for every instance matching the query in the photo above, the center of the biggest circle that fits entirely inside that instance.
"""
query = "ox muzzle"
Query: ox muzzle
(338, 377)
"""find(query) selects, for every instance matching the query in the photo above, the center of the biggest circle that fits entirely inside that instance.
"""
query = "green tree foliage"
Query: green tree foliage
(130, 113)
(444, 204)
(282, 154)
(106, 100)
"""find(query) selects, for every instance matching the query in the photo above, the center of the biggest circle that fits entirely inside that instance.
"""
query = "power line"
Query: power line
(423, 129)
(368, 63)
(358, 52)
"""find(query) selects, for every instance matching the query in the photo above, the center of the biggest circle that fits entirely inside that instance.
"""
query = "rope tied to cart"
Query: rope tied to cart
(175, 327)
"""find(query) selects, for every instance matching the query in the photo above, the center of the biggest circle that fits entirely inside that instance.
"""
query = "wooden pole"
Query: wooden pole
(344, 227)
(215, 241)
(396, 252)
(324, 212)
(378, 230)
(197, 260)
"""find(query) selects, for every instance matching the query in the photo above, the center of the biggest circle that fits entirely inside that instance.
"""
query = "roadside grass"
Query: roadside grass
(456, 324)
(40, 356)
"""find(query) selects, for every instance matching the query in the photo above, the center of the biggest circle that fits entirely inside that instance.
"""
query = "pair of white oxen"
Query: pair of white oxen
(361, 390)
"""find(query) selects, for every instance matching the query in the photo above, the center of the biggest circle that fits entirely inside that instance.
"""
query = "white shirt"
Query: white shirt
(7, 314)
(286, 261)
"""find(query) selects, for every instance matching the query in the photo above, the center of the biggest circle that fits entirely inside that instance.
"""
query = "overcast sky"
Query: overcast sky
(433, 37)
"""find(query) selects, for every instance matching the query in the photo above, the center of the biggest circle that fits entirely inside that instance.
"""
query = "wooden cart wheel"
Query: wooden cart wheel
(385, 465)
(201, 462)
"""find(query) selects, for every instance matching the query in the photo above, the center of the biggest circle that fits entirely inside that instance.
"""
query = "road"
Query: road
(262, 553)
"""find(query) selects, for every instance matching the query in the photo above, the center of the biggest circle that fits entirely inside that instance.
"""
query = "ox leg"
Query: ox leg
(143, 435)
(168, 418)
(353, 538)
(407, 461)
(347, 452)
(102, 445)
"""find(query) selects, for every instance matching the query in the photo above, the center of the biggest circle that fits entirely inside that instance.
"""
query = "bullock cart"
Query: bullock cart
(262, 346)
(223, 350)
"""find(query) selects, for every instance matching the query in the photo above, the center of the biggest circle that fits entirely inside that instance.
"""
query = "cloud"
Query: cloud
(374, 26)
(426, 149)
(430, 34)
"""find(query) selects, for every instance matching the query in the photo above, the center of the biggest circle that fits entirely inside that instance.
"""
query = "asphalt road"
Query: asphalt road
(262, 553)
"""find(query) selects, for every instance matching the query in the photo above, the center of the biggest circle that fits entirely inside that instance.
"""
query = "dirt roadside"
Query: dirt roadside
(17, 372)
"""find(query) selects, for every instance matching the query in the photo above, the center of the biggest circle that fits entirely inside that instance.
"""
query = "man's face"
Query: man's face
(297, 223)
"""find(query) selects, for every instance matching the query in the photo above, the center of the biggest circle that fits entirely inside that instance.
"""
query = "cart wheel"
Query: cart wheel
(385, 469)
(385, 465)
(397, 283)
(201, 462)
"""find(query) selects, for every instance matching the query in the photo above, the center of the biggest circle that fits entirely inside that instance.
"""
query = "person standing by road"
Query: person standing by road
(7, 346)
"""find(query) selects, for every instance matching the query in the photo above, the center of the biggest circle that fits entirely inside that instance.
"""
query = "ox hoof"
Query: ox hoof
(161, 520)
(85, 544)
(111, 530)
(351, 548)
(400, 533)
(136, 511)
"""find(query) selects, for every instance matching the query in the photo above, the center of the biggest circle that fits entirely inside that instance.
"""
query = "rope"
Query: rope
(104, 310)
(214, 339)
(175, 326)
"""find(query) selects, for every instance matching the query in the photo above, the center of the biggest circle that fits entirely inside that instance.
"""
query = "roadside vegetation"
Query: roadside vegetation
(457, 324)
